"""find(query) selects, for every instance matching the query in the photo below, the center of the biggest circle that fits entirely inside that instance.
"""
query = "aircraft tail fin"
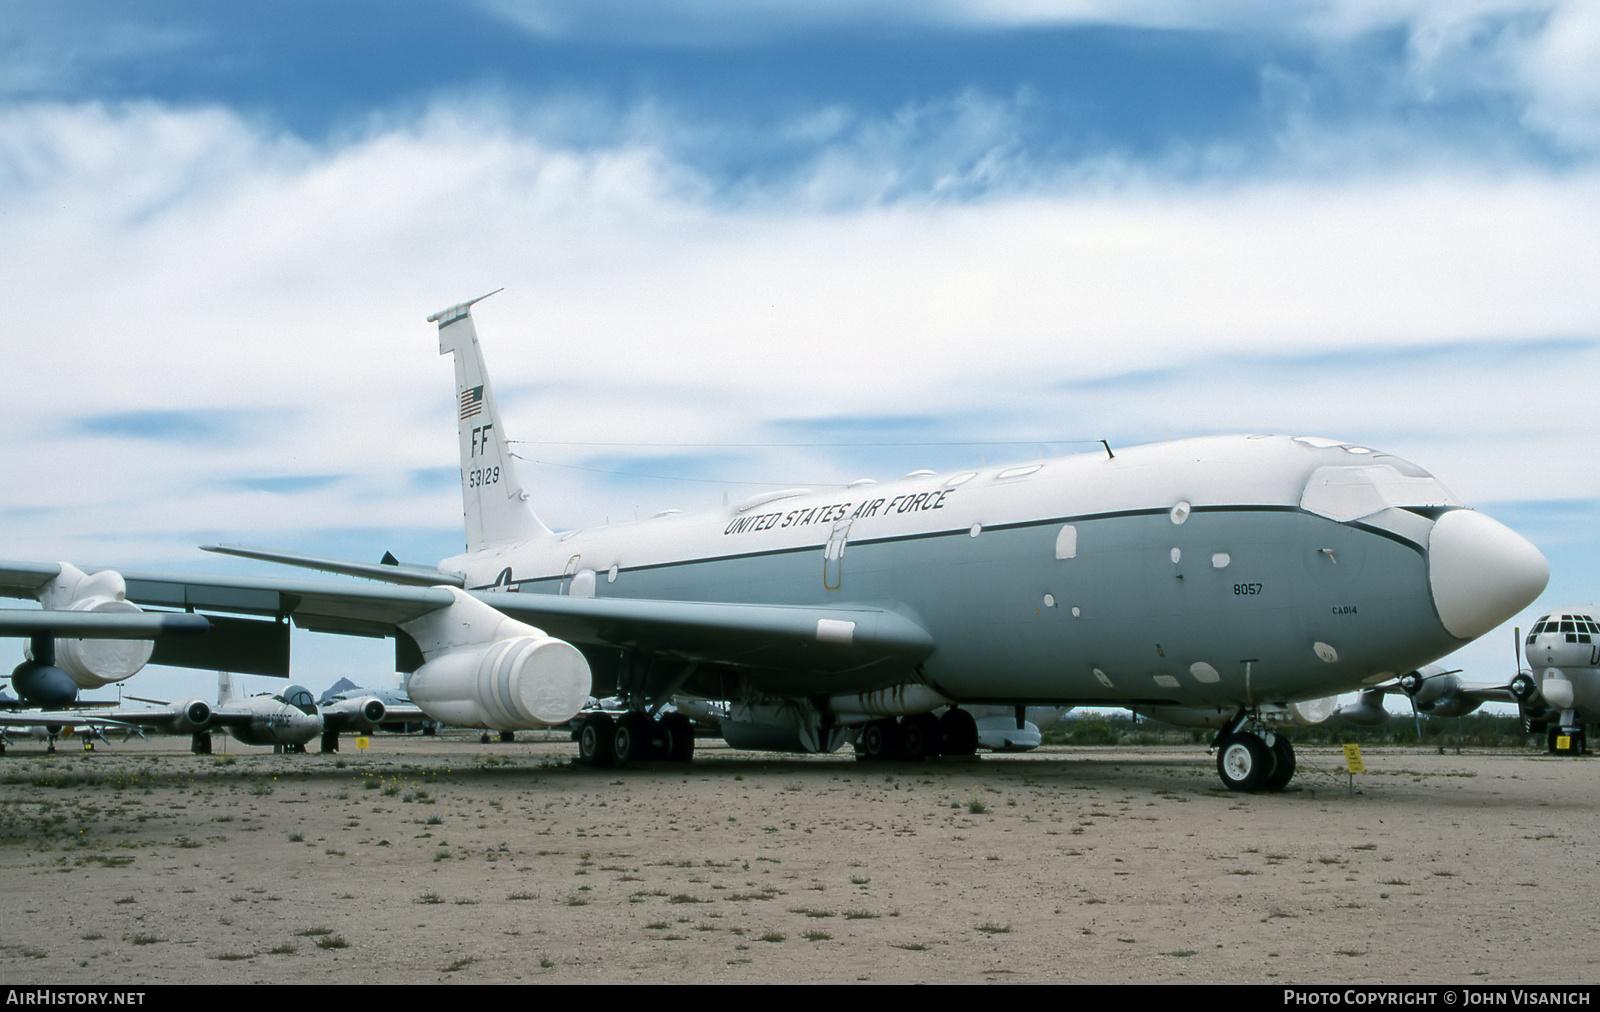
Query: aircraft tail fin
(495, 504)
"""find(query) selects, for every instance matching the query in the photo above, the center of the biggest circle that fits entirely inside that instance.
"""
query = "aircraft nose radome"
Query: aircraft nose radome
(1481, 572)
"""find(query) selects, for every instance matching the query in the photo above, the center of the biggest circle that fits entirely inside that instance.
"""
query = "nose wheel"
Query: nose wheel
(1246, 762)
(1567, 740)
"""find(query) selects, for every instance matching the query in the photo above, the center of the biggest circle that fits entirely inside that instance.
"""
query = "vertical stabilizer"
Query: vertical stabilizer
(494, 502)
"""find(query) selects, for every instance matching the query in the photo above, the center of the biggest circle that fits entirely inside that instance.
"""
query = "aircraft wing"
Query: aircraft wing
(1438, 691)
(770, 636)
(1478, 693)
(180, 716)
(53, 718)
(385, 572)
(97, 624)
(793, 637)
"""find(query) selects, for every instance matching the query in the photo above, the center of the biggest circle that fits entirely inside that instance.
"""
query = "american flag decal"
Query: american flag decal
(471, 401)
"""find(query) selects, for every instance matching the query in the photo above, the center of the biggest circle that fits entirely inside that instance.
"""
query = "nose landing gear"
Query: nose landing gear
(1251, 757)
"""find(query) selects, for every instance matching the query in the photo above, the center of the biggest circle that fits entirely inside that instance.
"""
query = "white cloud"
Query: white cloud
(186, 260)
(1540, 56)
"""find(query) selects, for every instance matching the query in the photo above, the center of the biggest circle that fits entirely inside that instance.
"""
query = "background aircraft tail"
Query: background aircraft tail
(495, 503)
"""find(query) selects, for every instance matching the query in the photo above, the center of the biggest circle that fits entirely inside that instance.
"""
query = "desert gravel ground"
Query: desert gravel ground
(424, 860)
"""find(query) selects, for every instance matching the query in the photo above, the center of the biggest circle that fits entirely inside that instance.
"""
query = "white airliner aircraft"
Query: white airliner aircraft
(1557, 694)
(1248, 574)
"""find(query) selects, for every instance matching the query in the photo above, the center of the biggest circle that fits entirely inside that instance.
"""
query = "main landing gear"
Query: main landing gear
(919, 736)
(1251, 757)
(635, 736)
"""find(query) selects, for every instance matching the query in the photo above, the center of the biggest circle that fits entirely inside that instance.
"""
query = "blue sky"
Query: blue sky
(997, 226)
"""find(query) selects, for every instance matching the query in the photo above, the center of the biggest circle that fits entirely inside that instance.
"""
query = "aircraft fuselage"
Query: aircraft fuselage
(1217, 571)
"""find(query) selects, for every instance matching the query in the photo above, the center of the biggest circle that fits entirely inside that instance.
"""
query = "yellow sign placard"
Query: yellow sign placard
(1352, 759)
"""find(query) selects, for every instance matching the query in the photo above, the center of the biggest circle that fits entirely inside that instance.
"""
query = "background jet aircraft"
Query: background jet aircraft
(1246, 574)
(361, 711)
(285, 720)
(49, 732)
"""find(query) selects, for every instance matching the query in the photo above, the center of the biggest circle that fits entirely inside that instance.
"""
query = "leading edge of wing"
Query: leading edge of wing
(97, 624)
(369, 609)
(795, 637)
(396, 572)
(767, 635)
(372, 609)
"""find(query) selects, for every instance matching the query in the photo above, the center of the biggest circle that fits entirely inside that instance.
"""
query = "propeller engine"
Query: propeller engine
(1438, 693)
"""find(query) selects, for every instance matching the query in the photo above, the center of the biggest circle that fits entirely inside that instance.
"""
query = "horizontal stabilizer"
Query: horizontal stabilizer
(401, 573)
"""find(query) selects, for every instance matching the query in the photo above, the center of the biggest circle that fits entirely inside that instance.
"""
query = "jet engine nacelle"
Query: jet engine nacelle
(1438, 695)
(363, 714)
(511, 685)
(94, 663)
(190, 717)
(484, 668)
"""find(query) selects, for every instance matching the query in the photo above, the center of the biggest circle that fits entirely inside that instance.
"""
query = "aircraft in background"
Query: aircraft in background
(1559, 691)
(285, 720)
(1557, 694)
(361, 711)
(1243, 574)
(50, 733)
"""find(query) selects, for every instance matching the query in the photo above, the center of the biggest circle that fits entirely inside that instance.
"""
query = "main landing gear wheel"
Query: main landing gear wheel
(880, 740)
(630, 741)
(678, 733)
(1283, 753)
(1245, 762)
(960, 732)
(920, 736)
(595, 740)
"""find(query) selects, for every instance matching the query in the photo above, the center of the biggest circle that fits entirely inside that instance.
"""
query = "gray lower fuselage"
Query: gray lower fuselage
(1229, 605)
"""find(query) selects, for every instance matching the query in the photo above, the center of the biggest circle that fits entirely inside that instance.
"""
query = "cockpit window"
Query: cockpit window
(300, 698)
(1348, 492)
(1575, 628)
